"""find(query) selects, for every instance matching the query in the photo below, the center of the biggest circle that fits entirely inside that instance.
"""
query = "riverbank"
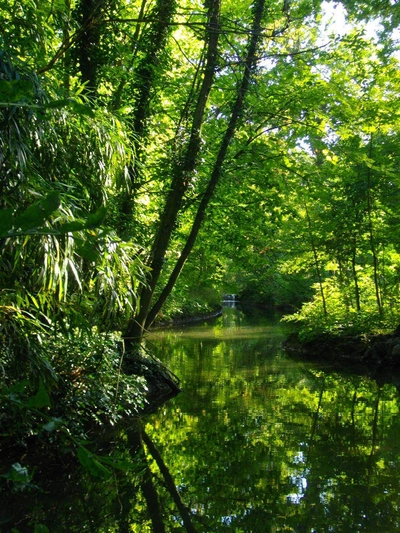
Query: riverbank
(375, 353)
(187, 319)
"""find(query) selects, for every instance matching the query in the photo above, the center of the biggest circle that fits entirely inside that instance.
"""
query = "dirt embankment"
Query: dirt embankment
(374, 352)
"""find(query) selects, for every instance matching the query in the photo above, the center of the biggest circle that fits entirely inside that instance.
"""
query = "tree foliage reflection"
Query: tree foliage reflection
(256, 443)
(268, 444)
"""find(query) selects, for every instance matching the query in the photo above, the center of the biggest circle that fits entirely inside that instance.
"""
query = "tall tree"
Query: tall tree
(182, 172)
(181, 175)
(250, 64)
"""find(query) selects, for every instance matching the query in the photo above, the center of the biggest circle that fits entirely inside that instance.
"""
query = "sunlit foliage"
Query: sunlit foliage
(155, 154)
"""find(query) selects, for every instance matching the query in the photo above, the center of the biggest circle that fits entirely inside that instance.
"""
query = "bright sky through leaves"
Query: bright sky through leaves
(334, 22)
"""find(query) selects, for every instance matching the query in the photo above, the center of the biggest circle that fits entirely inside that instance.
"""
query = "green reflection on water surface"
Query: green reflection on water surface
(258, 442)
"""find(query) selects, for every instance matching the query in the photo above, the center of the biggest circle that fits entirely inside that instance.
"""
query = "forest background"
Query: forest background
(156, 154)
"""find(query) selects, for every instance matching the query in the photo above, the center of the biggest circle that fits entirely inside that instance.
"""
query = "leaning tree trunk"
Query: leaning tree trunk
(180, 179)
(249, 67)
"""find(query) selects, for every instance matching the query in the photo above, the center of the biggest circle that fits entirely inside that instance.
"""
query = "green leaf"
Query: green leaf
(17, 388)
(39, 212)
(17, 473)
(41, 398)
(87, 250)
(56, 104)
(94, 220)
(81, 109)
(41, 528)
(16, 90)
(31, 220)
(287, 161)
(69, 227)
(124, 466)
(53, 425)
(90, 463)
(5, 220)
(77, 107)
(19, 476)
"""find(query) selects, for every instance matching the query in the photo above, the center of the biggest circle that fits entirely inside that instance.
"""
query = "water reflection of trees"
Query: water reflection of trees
(318, 454)
(275, 451)
(132, 498)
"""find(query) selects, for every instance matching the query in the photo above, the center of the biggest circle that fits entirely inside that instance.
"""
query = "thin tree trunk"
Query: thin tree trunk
(88, 44)
(87, 35)
(153, 505)
(181, 178)
(250, 64)
(116, 98)
(66, 38)
(375, 423)
(135, 442)
(315, 423)
(146, 73)
(371, 235)
(343, 283)
(353, 421)
(355, 276)
(318, 270)
(152, 44)
(316, 261)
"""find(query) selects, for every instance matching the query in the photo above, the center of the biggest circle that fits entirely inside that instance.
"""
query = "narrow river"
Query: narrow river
(259, 442)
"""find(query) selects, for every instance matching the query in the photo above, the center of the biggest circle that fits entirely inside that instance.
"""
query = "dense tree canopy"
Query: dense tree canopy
(244, 135)
(155, 154)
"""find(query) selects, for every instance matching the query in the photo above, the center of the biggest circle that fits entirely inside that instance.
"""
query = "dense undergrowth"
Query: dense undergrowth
(340, 319)
(60, 389)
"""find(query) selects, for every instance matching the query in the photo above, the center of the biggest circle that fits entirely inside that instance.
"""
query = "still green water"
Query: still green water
(259, 442)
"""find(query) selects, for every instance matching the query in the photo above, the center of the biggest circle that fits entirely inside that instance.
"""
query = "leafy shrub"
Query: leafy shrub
(342, 318)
